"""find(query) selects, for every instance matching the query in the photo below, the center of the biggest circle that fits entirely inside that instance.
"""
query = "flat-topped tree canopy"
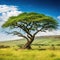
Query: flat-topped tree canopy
(29, 22)
(34, 18)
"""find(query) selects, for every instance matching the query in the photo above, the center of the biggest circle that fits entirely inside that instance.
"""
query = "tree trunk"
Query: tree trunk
(28, 44)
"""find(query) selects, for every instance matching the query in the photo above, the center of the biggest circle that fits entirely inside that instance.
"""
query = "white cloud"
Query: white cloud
(4, 37)
(58, 17)
(5, 8)
(7, 11)
(48, 33)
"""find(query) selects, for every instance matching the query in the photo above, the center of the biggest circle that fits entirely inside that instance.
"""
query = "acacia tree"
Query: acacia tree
(30, 23)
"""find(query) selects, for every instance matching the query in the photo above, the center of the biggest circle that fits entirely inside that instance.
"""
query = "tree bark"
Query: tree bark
(28, 44)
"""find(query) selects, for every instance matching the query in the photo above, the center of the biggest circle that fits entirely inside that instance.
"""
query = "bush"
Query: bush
(57, 59)
(57, 44)
(52, 47)
(52, 55)
(2, 46)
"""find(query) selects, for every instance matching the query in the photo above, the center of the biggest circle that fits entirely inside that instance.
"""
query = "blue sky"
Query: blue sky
(50, 7)
(14, 7)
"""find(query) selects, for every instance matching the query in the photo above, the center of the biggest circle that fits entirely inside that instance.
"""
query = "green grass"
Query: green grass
(46, 41)
(15, 53)
(11, 54)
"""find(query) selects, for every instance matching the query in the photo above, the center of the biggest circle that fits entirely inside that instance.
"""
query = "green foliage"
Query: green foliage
(31, 21)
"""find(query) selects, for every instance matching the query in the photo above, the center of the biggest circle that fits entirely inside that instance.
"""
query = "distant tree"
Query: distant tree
(30, 23)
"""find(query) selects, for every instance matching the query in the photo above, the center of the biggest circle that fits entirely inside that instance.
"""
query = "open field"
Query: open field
(38, 42)
(42, 49)
(11, 54)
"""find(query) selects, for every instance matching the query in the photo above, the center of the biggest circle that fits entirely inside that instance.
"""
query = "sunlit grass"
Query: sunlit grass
(38, 52)
(21, 54)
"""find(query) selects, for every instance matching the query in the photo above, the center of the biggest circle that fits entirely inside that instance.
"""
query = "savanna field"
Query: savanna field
(44, 48)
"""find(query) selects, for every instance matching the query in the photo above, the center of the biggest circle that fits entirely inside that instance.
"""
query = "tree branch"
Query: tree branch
(28, 36)
(39, 30)
(36, 32)
(19, 34)
(25, 29)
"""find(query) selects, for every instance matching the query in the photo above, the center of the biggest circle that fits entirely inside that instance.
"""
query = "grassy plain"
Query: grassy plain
(41, 50)
(11, 54)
